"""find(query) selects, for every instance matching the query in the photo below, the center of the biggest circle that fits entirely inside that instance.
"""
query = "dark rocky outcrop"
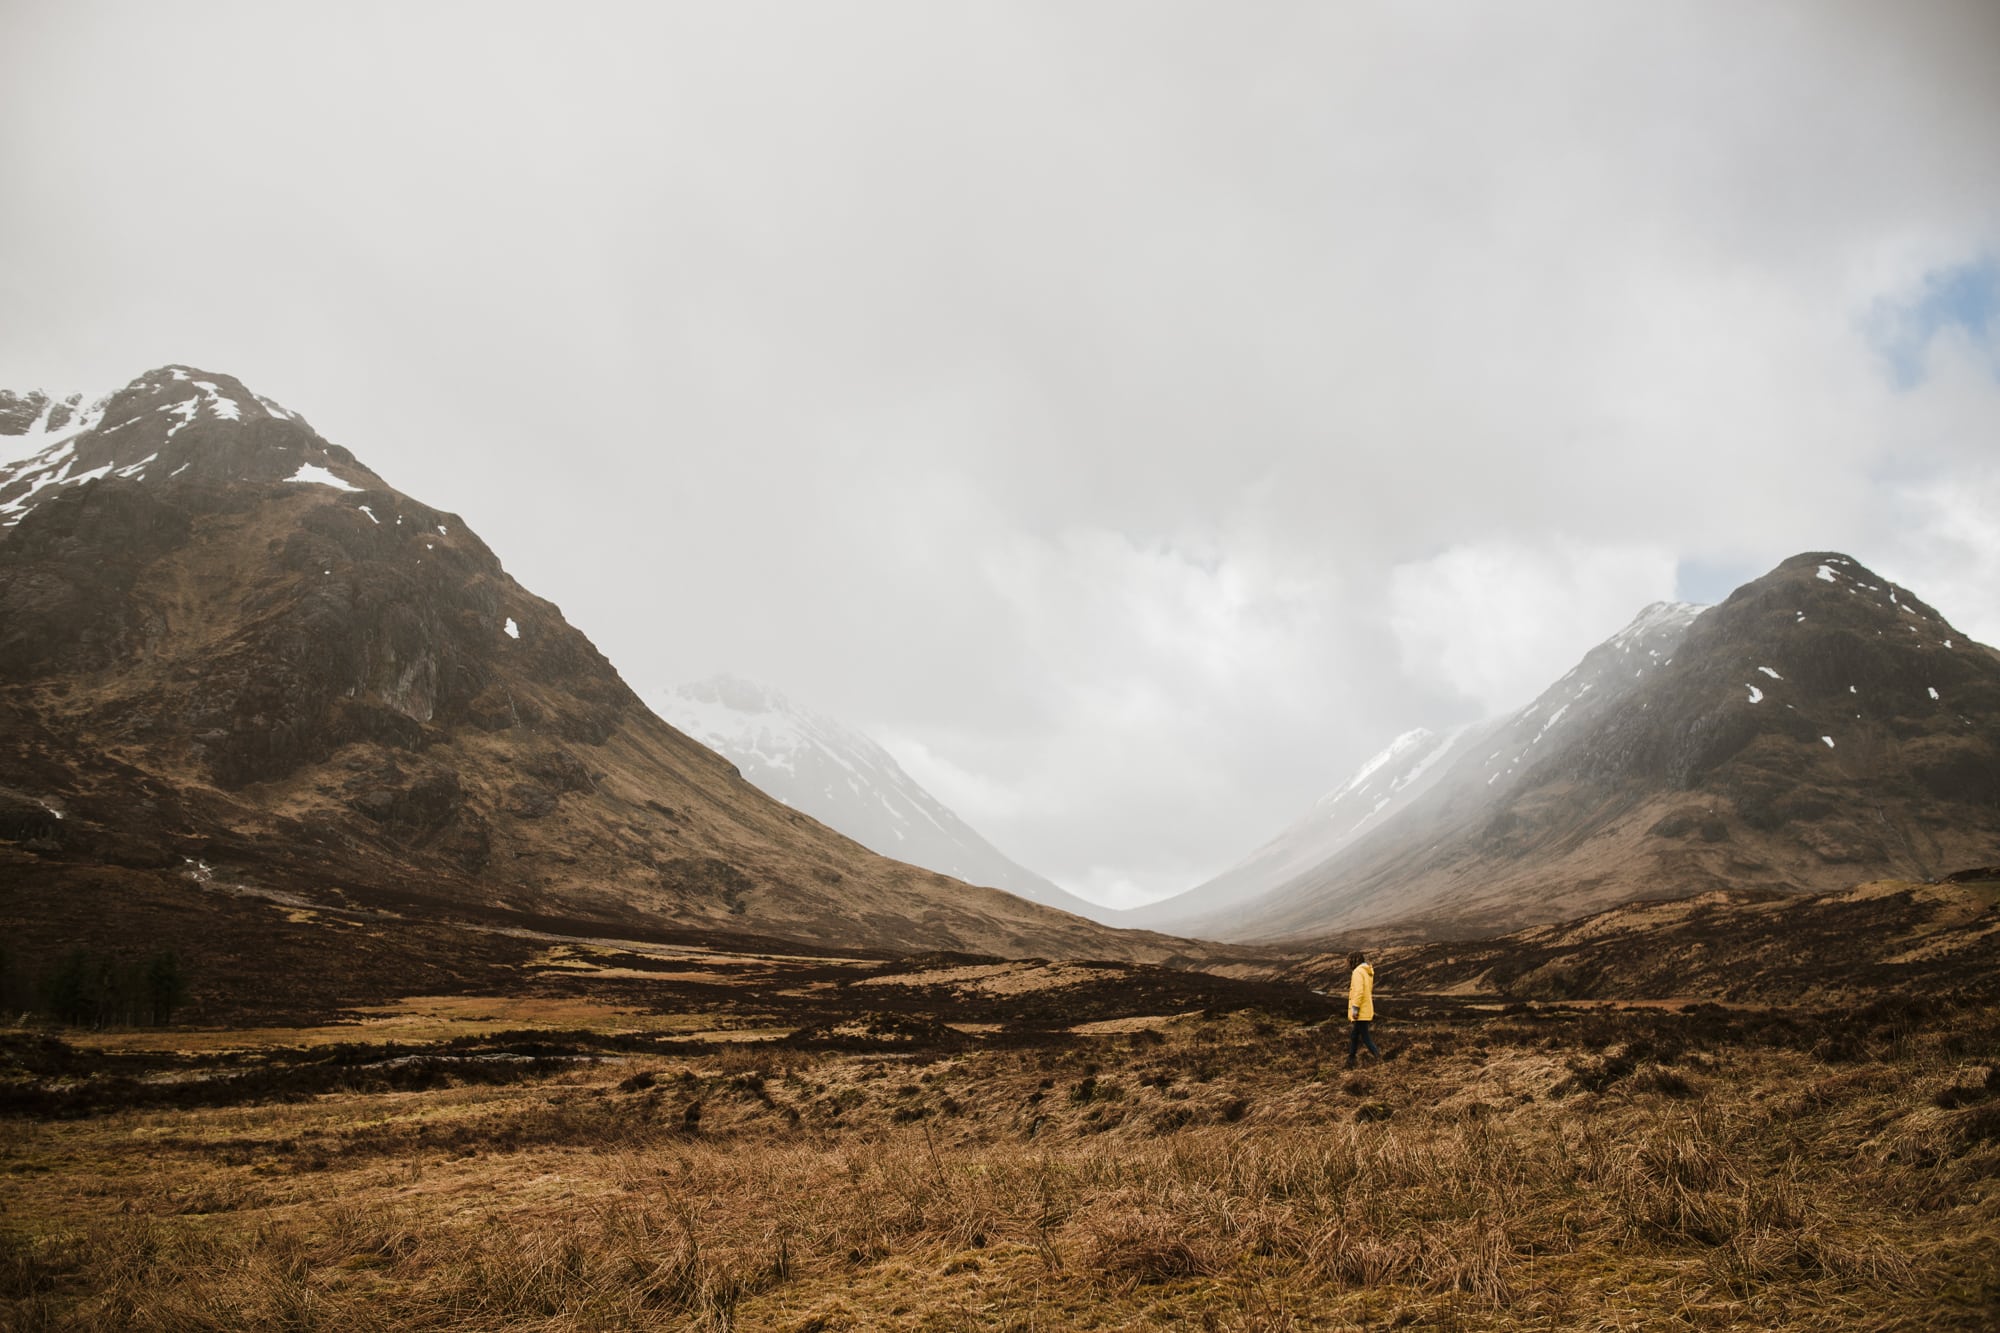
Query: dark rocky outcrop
(25, 819)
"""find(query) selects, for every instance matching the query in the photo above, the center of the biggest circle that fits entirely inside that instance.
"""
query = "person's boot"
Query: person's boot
(1350, 1062)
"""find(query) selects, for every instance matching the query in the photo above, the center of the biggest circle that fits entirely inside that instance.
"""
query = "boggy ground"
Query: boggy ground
(1591, 1168)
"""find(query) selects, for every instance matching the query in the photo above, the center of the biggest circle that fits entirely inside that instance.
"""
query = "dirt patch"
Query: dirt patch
(994, 979)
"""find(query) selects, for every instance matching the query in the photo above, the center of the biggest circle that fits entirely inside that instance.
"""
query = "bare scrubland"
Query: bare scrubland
(1590, 1167)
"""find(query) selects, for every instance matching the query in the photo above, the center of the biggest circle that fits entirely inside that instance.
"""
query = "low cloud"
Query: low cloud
(1497, 622)
(1142, 410)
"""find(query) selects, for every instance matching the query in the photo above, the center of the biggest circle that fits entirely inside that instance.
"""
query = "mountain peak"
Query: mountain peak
(738, 694)
(1817, 591)
(187, 394)
(1656, 617)
(1403, 745)
(174, 424)
(1809, 559)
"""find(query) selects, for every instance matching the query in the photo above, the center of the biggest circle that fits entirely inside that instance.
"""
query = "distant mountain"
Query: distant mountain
(232, 655)
(1405, 770)
(846, 781)
(1821, 726)
(1460, 770)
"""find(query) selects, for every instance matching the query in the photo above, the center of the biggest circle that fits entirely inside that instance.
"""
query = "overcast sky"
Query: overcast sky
(1132, 414)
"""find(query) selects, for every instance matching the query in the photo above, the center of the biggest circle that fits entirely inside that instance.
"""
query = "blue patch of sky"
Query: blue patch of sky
(1963, 297)
(1711, 582)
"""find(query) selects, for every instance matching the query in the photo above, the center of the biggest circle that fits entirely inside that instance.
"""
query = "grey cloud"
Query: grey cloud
(780, 337)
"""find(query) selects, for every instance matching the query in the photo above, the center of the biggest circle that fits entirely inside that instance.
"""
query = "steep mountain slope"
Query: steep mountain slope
(229, 652)
(846, 781)
(1436, 778)
(1820, 726)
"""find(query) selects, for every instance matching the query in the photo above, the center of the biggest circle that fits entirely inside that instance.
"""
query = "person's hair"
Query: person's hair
(1357, 958)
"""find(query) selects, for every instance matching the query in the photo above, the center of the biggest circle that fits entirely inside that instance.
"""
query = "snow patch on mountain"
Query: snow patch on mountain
(43, 437)
(42, 456)
(314, 473)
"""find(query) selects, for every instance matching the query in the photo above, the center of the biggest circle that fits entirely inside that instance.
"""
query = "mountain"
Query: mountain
(846, 781)
(1460, 770)
(233, 657)
(1821, 726)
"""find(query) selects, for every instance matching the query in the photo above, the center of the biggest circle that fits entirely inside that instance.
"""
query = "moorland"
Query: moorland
(595, 1133)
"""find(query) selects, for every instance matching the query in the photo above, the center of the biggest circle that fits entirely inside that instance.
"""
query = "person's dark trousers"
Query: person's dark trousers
(1363, 1035)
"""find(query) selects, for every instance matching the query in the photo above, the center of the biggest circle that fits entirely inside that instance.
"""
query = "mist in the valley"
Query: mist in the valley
(1131, 415)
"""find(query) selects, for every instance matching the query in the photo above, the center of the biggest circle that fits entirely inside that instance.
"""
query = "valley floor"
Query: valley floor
(1569, 1168)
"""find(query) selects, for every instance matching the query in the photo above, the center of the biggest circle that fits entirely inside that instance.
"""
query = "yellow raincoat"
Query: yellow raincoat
(1361, 994)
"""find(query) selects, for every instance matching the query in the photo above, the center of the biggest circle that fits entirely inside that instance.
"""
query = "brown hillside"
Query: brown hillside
(234, 655)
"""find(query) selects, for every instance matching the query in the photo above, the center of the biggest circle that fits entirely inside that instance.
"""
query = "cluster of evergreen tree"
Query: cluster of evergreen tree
(87, 989)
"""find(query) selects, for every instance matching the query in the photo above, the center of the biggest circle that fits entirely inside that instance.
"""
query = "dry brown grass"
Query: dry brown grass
(1220, 1174)
(413, 1019)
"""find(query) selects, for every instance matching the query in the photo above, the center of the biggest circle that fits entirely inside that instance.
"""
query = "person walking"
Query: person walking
(1361, 1007)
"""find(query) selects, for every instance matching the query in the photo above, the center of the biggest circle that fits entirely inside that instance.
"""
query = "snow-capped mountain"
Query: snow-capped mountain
(842, 778)
(1453, 772)
(52, 445)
